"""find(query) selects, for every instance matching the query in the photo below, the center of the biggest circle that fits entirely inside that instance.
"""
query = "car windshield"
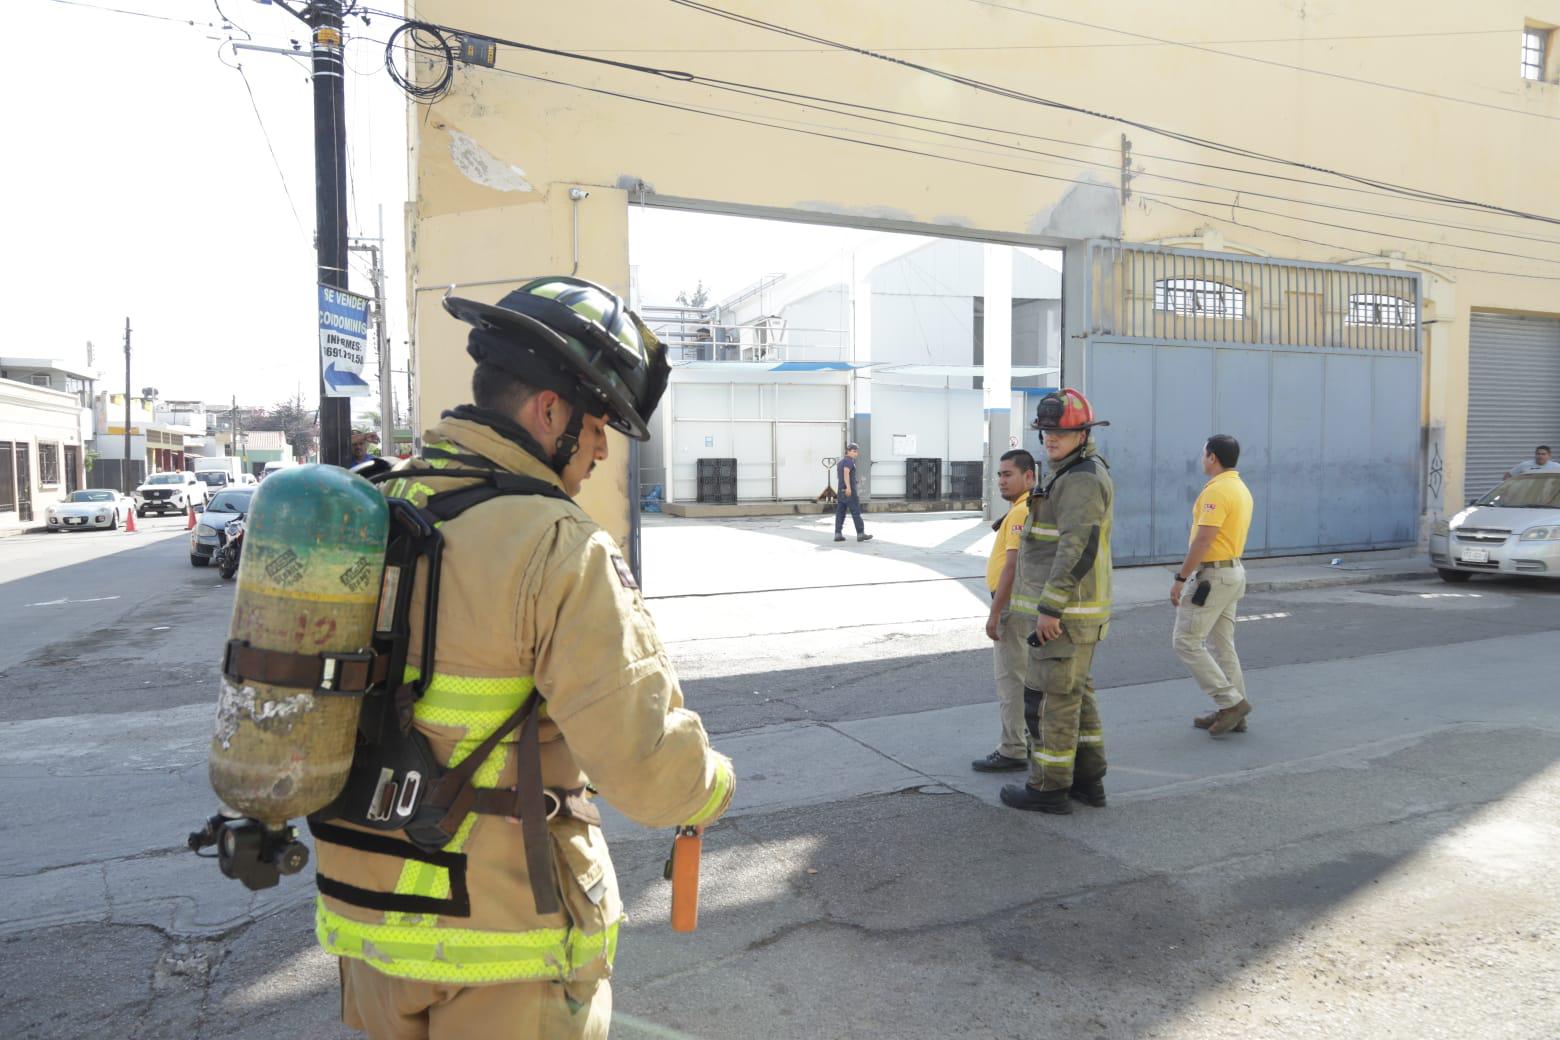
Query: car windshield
(166, 478)
(1526, 492)
(230, 502)
(212, 476)
(91, 496)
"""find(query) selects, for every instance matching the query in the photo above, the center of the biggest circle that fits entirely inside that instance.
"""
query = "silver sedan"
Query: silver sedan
(1514, 529)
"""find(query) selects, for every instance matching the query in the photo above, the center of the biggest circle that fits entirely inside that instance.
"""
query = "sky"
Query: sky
(143, 187)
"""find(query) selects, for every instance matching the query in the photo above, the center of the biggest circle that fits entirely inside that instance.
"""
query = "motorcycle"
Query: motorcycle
(227, 555)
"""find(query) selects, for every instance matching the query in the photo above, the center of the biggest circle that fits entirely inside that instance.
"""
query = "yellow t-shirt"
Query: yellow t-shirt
(1225, 503)
(1010, 537)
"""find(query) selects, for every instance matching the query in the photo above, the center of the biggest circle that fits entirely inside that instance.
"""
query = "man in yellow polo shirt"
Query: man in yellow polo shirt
(1208, 586)
(1015, 480)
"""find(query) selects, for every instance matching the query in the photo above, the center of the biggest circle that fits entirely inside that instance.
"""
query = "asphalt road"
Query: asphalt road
(1373, 859)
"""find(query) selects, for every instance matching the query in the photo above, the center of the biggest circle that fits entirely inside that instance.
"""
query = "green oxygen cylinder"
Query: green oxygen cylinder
(309, 582)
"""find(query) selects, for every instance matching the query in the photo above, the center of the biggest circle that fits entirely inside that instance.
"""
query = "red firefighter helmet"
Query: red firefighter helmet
(1066, 410)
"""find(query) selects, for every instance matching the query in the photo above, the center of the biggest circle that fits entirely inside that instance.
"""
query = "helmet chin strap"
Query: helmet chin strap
(568, 444)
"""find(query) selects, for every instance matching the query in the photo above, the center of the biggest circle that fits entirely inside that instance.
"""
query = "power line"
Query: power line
(822, 103)
(1043, 46)
(1017, 95)
(253, 104)
(1354, 250)
(991, 166)
(137, 14)
(1202, 48)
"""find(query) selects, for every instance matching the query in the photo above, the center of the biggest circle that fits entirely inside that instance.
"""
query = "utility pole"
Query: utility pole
(373, 247)
(124, 474)
(330, 214)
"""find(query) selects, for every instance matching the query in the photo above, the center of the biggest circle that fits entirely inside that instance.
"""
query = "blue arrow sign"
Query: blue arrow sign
(343, 341)
(338, 380)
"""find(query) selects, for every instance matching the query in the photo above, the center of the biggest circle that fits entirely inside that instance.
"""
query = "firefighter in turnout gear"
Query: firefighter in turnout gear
(510, 928)
(1064, 574)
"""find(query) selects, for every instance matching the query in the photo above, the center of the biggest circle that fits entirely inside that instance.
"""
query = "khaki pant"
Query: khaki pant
(1010, 657)
(388, 1008)
(1063, 716)
(1205, 635)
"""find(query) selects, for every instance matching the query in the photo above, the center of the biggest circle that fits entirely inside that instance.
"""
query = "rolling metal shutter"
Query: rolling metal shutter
(1513, 394)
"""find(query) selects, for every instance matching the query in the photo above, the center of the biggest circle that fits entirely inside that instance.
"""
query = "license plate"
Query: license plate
(75, 520)
(1475, 556)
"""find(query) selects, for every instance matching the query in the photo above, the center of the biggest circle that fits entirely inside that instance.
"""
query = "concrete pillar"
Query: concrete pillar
(997, 377)
(1075, 316)
(861, 378)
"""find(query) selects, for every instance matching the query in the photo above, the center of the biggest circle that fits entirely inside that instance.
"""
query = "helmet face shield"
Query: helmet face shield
(1065, 411)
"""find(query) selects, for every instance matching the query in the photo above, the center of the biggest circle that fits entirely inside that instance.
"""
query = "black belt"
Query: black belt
(1216, 564)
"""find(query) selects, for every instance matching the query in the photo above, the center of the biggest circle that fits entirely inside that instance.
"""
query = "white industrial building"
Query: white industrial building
(888, 344)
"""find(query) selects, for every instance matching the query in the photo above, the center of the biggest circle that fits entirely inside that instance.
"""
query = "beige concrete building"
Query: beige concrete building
(41, 451)
(1299, 223)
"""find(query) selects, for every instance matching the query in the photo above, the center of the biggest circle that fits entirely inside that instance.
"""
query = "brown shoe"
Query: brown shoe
(1226, 719)
(1204, 721)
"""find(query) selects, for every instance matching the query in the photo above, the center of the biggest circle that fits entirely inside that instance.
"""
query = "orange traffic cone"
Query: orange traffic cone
(130, 520)
(191, 525)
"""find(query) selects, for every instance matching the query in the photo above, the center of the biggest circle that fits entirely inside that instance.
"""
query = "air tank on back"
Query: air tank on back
(309, 582)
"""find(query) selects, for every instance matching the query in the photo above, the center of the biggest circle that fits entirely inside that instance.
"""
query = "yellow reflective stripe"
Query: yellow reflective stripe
(1055, 757)
(469, 694)
(1055, 596)
(723, 781)
(1024, 604)
(1087, 608)
(463, 955)
(1091, 737)
(478, 706)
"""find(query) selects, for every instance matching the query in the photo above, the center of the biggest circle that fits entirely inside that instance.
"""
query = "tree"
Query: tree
(298, 424)
(698, 298)
(369, 421)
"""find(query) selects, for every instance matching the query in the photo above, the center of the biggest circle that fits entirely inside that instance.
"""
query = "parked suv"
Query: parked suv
(170, 493)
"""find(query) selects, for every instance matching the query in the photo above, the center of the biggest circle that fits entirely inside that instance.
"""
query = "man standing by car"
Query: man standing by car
(1205, 616)
(849, 497)
(1542, 461)
(1064, 575)
(1009, 630)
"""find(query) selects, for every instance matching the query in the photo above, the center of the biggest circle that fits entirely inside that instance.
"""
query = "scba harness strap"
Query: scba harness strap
(396, 782)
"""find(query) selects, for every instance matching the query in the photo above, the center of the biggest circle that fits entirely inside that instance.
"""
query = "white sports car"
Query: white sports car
(94, 507)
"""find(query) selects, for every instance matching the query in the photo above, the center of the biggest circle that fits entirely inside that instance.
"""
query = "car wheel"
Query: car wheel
(141, 513)
(113, 521)
(1455, 577)
(198, 561)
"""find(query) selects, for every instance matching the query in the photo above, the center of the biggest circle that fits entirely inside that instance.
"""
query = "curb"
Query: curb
(1328, 581)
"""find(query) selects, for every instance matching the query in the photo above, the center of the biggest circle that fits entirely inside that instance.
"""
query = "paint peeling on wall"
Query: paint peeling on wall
(1090, 209)
(484, 168)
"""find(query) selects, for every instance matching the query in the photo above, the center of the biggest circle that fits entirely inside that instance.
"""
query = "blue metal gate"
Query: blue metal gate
(1314, 368)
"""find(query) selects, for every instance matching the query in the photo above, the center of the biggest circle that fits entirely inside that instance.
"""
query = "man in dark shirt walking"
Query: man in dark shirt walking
(849, 497)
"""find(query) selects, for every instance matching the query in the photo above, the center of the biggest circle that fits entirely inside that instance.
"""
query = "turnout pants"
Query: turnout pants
(853, 503)
(1205, 635)
(1062, 715)
(388, 1008)
(1010, 658)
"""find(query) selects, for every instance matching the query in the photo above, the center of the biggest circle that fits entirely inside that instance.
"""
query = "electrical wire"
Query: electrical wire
(1204, 49)
(1186, 138)
(429, 93)
(1040, 46)
(137, 14)
(253, 104)
(1006, 169)
(1351, 250)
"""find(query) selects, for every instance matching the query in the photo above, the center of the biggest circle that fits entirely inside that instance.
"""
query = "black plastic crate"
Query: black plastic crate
(717, 481)
(923, 479)
(964, 479)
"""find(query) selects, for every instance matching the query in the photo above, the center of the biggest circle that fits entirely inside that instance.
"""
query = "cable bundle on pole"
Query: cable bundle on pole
(427, 40)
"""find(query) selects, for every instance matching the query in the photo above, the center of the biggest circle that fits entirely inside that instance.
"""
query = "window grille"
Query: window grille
(1197, 296)
(1535, 46)
(48, 463)
(1376, 309)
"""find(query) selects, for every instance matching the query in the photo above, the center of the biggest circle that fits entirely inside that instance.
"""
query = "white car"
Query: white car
(171, 492)
(92, 508)
(1514, 529)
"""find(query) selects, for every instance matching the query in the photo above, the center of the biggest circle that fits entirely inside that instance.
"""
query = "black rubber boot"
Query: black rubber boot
(1022, 796)
(997, 762)
(1091, 793)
